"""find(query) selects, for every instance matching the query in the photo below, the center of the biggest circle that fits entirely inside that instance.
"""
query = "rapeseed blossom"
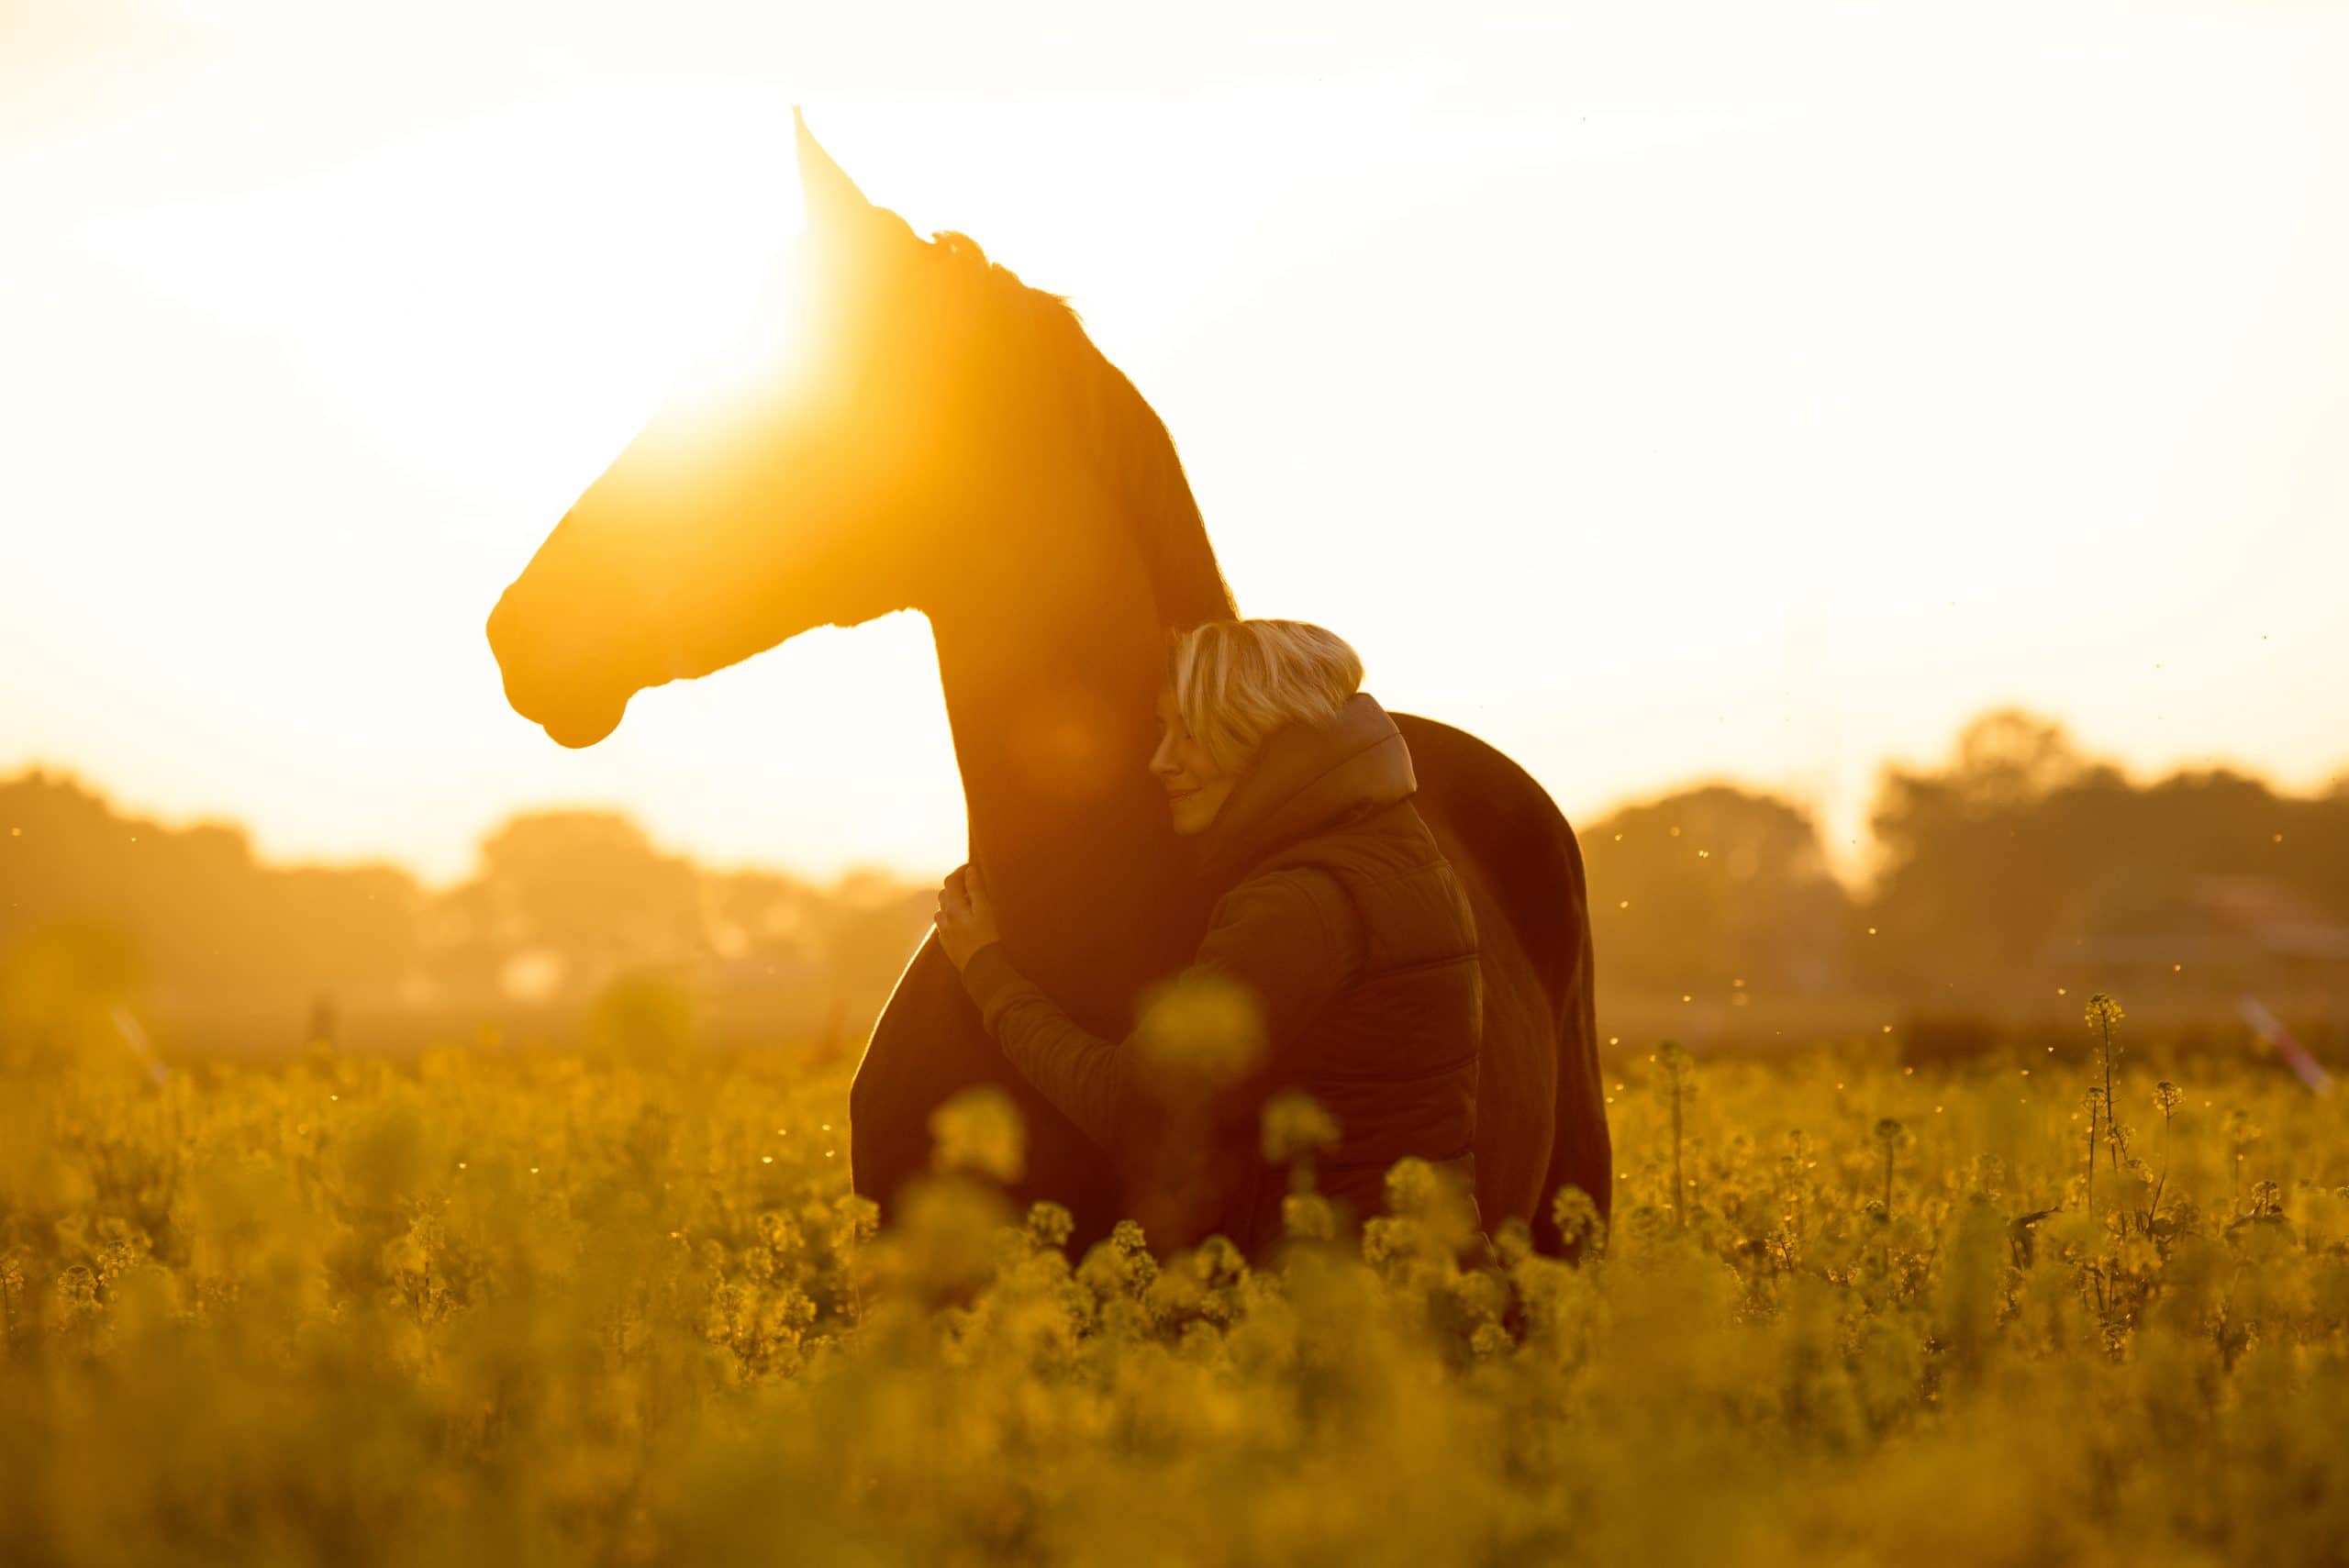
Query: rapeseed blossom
(241, 1320)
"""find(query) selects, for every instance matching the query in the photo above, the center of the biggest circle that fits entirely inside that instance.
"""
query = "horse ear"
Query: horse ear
(834, 203)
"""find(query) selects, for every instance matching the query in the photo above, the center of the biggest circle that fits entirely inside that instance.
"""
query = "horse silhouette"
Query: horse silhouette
(954, 443)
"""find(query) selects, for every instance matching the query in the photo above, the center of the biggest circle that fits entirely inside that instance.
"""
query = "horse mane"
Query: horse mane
(1125, 439)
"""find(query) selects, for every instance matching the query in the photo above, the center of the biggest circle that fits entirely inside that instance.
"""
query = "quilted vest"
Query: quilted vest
(1393, 1056)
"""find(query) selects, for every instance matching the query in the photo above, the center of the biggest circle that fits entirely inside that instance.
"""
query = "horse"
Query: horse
(953, 443)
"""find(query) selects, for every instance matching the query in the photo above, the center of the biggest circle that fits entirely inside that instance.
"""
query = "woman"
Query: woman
(1339, 919)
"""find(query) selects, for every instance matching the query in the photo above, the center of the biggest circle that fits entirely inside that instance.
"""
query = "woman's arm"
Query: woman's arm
(1284, 939)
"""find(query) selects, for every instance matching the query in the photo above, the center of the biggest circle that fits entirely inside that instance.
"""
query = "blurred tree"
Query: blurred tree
(1968, 868)
(1717, 888)
(2015, 863)
(2020, 854)
(204, 922)
(585, 891)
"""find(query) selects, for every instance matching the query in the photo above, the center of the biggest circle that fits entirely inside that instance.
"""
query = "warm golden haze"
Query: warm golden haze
(962, 449)
(1802, 1024)
(843, 481)
(2018, 870)
(1803, 346)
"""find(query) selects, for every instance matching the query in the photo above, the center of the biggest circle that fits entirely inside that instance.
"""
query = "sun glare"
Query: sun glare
(1606, 313)
(584, 262)
(738, 363)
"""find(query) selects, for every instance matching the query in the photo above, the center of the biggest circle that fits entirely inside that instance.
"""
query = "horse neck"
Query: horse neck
(1050, 653)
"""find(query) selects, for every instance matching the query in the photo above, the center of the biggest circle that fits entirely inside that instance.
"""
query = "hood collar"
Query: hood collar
(1307, 777)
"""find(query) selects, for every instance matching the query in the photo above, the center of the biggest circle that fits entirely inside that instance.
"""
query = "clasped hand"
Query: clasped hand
(965, 919)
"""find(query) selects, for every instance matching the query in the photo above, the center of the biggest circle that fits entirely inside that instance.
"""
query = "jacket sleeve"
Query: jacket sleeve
(1286, 938)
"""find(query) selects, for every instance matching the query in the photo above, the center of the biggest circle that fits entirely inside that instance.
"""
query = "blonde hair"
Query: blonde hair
(1237, 681)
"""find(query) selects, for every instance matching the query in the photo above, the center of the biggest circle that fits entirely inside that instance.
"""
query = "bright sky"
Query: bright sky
(1659, 391)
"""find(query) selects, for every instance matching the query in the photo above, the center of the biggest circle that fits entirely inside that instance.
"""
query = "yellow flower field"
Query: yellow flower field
(540, 1310)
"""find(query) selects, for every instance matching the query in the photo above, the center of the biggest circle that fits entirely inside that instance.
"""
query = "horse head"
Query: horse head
(834, 487)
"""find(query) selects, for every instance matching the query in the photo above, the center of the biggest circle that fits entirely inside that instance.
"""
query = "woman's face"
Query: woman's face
(1196, 788)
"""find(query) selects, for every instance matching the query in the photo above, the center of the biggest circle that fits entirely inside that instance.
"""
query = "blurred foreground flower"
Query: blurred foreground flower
(1575, 1216)
(1295, 1126)
(979, 1132)
(1306, 1216)
(1197, 1035)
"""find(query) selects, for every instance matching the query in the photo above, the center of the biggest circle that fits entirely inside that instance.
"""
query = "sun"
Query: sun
(505, 299)
(738, 363)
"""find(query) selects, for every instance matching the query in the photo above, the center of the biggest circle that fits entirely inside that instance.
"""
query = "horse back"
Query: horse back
(1542, 1115)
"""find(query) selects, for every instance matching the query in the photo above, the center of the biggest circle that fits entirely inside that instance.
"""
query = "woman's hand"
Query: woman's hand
(965, 919)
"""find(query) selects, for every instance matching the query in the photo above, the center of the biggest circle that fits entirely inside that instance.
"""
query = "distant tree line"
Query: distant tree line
(566, 910)
(2015, 867)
